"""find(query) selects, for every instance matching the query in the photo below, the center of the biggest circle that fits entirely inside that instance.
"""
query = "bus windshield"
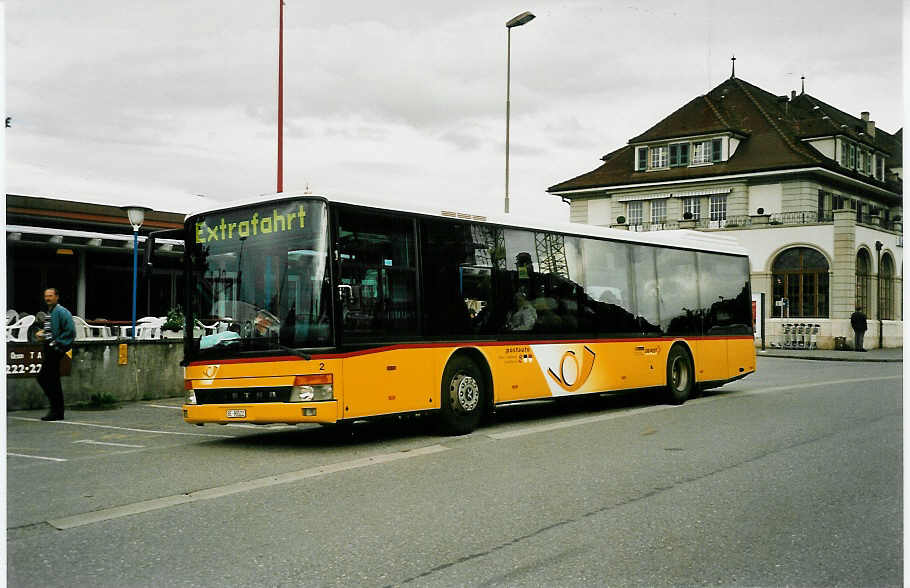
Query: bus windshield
(259, 278)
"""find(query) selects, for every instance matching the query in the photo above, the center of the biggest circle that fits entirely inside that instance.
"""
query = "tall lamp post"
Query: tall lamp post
(521, 19)
(135, 214)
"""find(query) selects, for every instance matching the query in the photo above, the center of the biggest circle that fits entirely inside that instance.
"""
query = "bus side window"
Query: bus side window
(377, 261)
(456, 286)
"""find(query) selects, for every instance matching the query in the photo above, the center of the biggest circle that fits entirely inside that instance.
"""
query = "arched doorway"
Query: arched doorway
(863, 280)
(800, 279)
(886, 288)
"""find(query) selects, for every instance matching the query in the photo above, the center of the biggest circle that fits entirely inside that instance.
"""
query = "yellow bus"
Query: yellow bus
(328, 310)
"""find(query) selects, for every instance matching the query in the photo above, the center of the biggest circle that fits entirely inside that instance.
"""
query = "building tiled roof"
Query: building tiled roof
(772, 130)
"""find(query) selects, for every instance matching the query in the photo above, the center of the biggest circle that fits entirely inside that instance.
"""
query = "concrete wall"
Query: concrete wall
(152, 371)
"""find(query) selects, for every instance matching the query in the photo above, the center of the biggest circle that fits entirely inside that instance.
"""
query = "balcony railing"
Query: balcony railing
(644, 227)
(809, 217)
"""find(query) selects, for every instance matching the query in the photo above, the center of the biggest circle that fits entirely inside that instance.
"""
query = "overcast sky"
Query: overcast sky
(128, 100)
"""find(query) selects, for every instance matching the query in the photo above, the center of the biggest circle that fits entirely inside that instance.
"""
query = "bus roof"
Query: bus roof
(684, 238)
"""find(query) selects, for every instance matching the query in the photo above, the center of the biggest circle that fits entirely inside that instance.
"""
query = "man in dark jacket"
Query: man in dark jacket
(58, 334)
(858, 322)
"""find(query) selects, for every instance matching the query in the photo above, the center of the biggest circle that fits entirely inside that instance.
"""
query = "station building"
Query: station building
(814, 194)
(84, 247)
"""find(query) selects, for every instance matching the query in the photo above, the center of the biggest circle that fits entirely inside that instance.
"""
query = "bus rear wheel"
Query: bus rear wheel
(463, 396)
(680, 375)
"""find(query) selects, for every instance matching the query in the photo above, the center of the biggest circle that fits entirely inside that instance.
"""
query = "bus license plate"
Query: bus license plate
(236, 413)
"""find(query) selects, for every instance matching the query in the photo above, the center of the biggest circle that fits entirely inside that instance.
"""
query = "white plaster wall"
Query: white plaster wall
(599, 211)
(764, 244)
(826, 146)
(767, 196)
(868, 237)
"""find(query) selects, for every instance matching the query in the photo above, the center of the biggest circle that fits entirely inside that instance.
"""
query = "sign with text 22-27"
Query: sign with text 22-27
(24, 361)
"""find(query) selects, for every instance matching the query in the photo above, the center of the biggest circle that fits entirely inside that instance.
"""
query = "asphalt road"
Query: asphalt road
(791, 476)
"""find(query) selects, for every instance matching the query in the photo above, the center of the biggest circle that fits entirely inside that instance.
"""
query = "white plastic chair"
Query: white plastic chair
(86, 331)
(148, 327)
(18, 331)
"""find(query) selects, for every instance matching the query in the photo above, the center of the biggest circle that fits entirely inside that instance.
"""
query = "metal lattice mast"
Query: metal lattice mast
(551, 253)
(493, 252)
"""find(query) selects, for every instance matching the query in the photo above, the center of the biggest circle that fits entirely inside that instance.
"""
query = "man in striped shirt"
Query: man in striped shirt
(58, 334)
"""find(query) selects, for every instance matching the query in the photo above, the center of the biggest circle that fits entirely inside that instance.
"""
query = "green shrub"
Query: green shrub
(175, 319)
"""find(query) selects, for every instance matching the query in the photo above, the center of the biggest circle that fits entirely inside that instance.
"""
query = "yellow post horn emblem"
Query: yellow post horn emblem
(582, 372)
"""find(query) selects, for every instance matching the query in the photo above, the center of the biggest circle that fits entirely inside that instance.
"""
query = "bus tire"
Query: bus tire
(463, 396)
(680, 375)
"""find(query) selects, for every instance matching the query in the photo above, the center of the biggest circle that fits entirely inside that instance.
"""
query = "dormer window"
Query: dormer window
(659, 157)
(682, 154)
(679, 154)
(641, 158)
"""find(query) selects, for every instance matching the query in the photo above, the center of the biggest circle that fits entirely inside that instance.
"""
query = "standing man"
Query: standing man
(58, 334)
(858, 322)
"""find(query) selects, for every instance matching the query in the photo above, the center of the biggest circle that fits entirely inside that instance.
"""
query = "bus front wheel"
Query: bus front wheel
(680, 375)
(463, 396)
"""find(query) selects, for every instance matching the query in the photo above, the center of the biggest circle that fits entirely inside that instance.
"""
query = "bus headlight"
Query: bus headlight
(190, 397)
(312, 388)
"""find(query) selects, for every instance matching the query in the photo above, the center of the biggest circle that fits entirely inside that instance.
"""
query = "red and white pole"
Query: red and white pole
(280, 95)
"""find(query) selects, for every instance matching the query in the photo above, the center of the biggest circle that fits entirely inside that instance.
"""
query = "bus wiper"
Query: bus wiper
(296, 352)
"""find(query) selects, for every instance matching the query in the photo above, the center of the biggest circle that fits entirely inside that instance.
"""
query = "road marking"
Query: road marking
(238, 487)
(123, 428)
(813, 385)
(90, 442)
(575, 422)
(519, 432)
(164, 406)
(36, 456)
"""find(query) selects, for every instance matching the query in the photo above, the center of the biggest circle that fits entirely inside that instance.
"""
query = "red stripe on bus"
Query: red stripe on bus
(467, 344)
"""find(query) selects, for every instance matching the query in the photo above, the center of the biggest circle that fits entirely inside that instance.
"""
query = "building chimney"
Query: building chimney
(870, 128)
(792, 94)
(865, 116)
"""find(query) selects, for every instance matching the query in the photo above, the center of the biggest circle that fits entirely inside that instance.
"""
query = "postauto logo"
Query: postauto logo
(576, 375)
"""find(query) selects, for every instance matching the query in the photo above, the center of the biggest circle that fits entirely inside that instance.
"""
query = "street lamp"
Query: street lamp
(135, 214)
(521, 19)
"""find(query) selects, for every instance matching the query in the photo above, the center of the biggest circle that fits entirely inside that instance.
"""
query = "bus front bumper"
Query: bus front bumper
(262, 413)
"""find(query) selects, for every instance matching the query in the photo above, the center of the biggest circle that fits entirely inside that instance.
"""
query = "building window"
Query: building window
(659, 156)
(880, 167)
(862, 280)
(844, 153)
(641, 158)
(658, 211)
(886, 288)
(701, 152)
(800, 284)
(851, 158)
(633, 211)
(824, 205)
(718, 211)
(867, 162)
(716, 150)
(692, 205)
(679, 154)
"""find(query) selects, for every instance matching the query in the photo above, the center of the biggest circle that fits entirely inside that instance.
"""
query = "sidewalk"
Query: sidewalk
(893, 354)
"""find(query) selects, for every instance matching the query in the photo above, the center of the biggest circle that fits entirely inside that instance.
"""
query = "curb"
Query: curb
(872, 359)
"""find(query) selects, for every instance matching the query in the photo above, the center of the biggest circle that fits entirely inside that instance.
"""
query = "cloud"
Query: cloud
(403, 98)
